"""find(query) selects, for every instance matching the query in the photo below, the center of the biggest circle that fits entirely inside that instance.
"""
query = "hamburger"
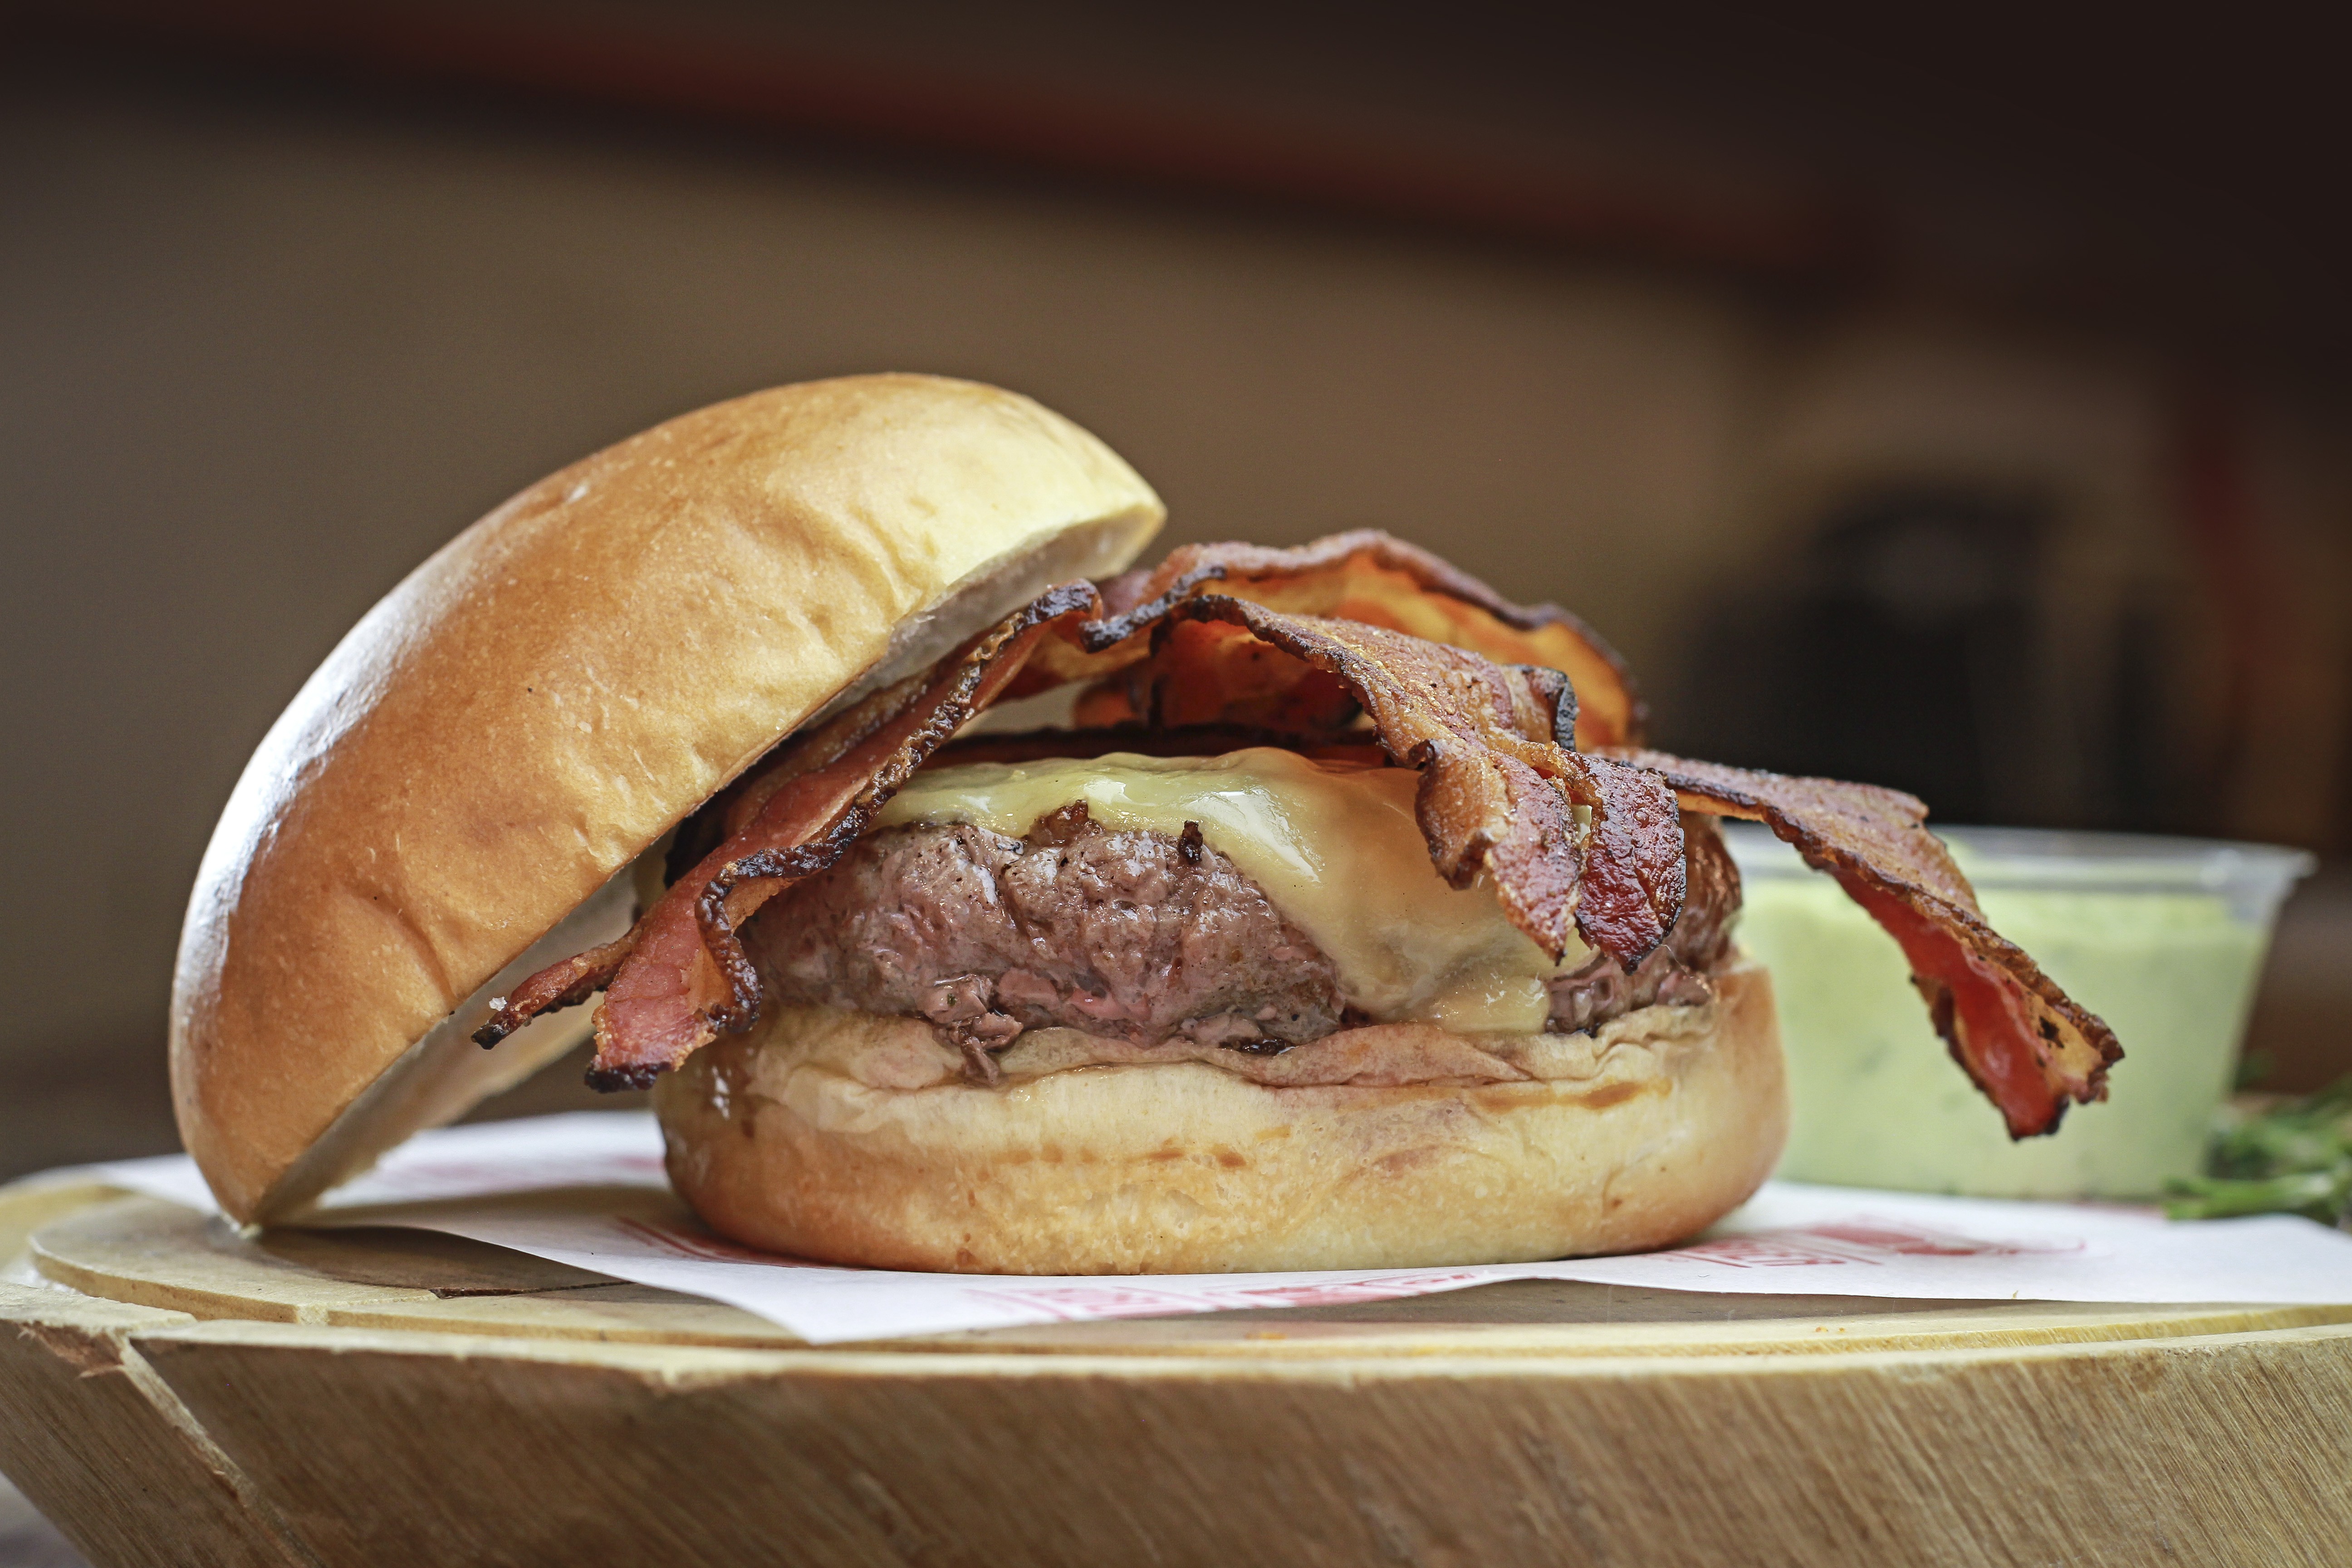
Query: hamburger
(973, 901)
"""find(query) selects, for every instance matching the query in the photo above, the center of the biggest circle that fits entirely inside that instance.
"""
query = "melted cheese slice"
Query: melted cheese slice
(1334, 847)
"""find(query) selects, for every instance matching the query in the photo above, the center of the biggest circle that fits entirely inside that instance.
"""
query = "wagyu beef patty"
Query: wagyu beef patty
(1135, 934)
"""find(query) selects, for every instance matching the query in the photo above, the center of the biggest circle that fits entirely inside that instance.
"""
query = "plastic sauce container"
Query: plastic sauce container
(2161, 937)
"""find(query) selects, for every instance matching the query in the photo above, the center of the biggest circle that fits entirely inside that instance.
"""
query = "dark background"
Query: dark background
(1956, 400)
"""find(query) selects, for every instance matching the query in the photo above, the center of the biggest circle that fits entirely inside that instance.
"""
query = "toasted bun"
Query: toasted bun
(792, 1141)
(537, 704)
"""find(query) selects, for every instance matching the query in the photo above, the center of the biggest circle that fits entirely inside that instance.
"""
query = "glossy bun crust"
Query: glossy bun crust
(538, 702)
(794, 1140)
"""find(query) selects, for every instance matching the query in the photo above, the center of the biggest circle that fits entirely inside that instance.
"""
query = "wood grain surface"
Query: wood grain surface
(97, 1443)
(395, 1397)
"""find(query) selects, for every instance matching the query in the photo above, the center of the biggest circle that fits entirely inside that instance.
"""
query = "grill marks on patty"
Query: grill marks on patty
(1140, 935)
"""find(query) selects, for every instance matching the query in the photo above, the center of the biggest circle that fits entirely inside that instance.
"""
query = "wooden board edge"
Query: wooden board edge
(177, 1267)
(1968, 1457)
(26, 1206)
(110, 1454)
(683, 1365)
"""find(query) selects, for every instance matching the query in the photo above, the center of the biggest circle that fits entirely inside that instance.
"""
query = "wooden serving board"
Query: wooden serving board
(173, 1392)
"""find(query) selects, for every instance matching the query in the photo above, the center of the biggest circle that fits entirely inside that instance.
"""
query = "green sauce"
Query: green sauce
(1878, 1102)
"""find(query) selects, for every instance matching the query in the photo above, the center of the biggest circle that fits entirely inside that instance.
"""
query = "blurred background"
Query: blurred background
(1958, 403)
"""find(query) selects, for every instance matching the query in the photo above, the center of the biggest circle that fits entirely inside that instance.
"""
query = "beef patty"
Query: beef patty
(1132, 933)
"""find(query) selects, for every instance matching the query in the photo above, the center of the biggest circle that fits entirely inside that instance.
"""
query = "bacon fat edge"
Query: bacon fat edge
(2031, 1048)
(1366, 576)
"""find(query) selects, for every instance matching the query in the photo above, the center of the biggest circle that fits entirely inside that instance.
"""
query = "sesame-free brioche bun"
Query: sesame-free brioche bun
(847, 1138)
(452, 799)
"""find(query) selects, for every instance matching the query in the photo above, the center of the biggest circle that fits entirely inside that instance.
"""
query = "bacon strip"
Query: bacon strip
(577, 978)
(1365, 577)
(2033, 1049)
(1497, 792)
(1634, 868)
(1352, 746)
(679, 976)
(1305, 644)
(554, 988)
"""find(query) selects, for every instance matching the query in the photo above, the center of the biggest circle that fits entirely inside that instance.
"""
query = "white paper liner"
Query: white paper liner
(588, 1190)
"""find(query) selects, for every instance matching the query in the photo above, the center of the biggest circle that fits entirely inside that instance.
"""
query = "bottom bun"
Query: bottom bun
(793, 1139)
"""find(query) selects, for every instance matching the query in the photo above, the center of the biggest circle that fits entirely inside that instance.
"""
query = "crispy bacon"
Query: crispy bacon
(1354, 642)
(1634, 868)
(2025, 1043)
(680, 975)
(1365, 577)
(1349, 746)
(554, 988)
(1498, 795)
(1497, 791)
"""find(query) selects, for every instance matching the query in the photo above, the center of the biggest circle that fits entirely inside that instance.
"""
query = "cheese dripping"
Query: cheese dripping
(1334, 847)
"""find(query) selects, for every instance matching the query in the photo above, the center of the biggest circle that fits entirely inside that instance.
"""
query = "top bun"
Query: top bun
(532, 708)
